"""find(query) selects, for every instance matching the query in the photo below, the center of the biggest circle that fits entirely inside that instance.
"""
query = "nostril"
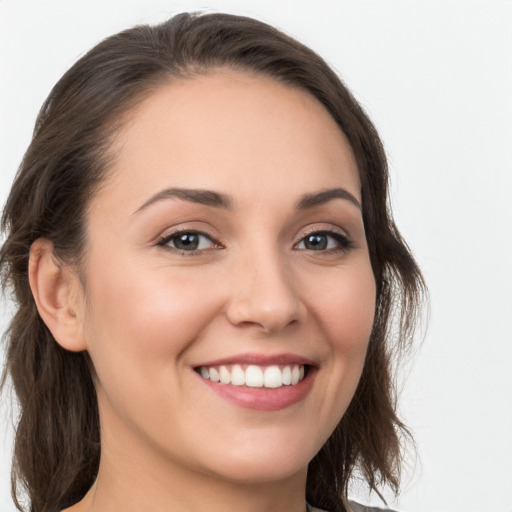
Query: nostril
(269, 317)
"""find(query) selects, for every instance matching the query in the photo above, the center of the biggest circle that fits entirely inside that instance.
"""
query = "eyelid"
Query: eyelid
(322, 228)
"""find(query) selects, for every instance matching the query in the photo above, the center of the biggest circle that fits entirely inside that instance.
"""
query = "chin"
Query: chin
(263, 464)
(266, 472)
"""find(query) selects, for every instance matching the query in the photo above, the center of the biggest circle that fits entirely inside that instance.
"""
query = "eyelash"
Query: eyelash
(345, 244)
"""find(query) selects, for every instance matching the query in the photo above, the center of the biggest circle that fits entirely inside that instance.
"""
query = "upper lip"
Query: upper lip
(259, 360)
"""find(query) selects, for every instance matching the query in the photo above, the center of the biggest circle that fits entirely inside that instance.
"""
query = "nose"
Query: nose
(264, 294)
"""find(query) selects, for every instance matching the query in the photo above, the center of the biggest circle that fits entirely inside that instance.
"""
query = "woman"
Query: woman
(206, 273)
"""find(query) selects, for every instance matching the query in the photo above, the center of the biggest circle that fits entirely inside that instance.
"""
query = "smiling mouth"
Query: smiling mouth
(255, 376)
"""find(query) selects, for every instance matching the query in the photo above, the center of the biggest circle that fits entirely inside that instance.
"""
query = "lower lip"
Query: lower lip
(263, 399)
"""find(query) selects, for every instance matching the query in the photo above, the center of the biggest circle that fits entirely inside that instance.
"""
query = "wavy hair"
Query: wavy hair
(57, 443)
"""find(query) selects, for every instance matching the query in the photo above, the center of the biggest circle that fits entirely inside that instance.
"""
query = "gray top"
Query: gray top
(354, 507)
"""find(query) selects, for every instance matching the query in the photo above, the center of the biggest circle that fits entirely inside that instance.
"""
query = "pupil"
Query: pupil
(187, 241)
(316, 242)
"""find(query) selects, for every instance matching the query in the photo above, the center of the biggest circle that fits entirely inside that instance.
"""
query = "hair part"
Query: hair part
(57, 445)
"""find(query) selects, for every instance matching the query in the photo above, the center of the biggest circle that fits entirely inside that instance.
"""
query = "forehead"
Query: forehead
(234, 131)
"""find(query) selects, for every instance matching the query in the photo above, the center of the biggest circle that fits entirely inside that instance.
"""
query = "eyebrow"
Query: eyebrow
(324, 196)
(206, 197)
(225, 201)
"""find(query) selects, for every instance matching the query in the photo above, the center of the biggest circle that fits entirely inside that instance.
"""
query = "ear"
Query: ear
(56, 290)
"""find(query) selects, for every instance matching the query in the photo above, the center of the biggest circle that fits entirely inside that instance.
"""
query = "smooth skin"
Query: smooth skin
(259, 275)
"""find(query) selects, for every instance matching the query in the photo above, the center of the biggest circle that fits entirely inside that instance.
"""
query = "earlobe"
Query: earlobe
(55, 291)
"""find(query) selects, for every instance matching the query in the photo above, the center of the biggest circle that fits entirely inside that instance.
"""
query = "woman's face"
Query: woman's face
(227, 243)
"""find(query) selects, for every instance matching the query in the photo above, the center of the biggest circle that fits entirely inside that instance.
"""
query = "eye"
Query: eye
(324, 241)
(187, 241)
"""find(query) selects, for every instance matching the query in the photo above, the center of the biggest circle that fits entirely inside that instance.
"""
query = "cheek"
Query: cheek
(147, 316)
(345, 315)
(342, 303)
(346, 311)
(141, 327)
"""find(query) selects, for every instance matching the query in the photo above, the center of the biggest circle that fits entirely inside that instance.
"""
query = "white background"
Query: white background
(436, 78)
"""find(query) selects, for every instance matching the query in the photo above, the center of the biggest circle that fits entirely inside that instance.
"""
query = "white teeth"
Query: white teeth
(214, 374)
(255, 376)
(237, 376)
(272, 377)
(225, 376)
(287, 375)
(295, 375)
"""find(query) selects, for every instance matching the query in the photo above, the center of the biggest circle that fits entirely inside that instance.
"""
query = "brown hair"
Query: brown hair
(57, 446)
